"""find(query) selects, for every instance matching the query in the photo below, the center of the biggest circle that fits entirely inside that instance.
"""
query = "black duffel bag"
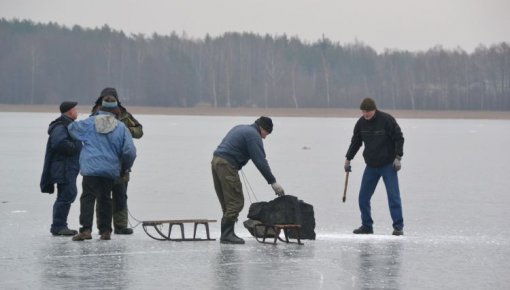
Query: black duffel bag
(286, 209)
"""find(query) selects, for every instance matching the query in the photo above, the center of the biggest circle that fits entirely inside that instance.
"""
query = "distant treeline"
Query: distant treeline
(48, 63)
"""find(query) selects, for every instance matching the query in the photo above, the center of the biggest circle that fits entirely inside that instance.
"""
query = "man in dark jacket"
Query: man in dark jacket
(119, 191)
(242, 143)
(61, 166)
(384, 145)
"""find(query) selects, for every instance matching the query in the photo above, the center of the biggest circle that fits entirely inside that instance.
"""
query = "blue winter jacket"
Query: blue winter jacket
(108, 148)
(242, 143)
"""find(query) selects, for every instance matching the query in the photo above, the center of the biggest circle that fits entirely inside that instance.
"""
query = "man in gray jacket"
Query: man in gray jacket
(242, 143)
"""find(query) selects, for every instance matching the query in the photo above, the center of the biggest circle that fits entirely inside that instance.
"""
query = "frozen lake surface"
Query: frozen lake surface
(455, 192)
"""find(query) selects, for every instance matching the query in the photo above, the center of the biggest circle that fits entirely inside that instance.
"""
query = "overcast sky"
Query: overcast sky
(402, 24)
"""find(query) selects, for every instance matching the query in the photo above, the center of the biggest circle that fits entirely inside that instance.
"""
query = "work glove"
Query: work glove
(347, 165)
(396, 163)
(278, 189)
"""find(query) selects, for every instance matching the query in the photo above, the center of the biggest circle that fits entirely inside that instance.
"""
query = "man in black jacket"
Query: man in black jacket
(384, 144)
(61, 166)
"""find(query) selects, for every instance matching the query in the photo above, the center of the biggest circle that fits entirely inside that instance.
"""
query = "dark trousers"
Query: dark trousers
(119, 205)
(96, 188)
(228, 189)
(369, 182)
(66, 194)
(119, 196)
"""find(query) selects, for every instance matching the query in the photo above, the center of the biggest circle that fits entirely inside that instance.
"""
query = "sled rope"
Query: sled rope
(248, 188)
(138, 222)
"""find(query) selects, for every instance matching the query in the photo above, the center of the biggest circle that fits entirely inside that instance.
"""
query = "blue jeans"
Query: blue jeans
(369, 182)
(66, 194)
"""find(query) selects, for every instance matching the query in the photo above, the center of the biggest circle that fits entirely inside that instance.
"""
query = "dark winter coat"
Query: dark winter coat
(61, 161)
(242, 143)
(382, 138)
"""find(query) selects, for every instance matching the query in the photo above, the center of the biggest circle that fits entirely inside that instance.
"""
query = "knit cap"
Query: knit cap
(368, 104)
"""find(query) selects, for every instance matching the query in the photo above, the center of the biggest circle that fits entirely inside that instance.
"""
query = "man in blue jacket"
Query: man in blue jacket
(108, 153)
(119, 192)
(242, 143)
(384, 148)
(61, 166)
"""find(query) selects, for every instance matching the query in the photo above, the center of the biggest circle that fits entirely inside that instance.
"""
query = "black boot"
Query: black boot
(363, 230)
(227, 234)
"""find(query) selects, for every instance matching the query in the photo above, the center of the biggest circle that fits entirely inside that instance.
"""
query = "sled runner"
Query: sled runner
(159, 225)
(276, 229)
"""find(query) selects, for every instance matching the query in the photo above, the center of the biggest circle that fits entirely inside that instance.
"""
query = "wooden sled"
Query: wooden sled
(159, 225)
(277, 229)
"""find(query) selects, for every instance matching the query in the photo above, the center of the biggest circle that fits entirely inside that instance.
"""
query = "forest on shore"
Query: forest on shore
(46, 63)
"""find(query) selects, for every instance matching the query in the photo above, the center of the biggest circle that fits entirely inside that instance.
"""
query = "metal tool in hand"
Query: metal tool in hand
(345, 187)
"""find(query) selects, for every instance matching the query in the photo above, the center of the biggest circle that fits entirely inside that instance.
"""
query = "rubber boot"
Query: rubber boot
(120, 223)
(227, 234)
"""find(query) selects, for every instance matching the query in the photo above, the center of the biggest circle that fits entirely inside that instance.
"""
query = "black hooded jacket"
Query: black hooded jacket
(382, 138)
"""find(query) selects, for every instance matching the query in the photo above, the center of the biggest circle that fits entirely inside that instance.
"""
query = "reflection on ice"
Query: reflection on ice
(332, 261)
(378, 267)
(87, 267)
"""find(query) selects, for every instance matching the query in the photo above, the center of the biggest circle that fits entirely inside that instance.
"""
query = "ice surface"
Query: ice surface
(454, 185)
